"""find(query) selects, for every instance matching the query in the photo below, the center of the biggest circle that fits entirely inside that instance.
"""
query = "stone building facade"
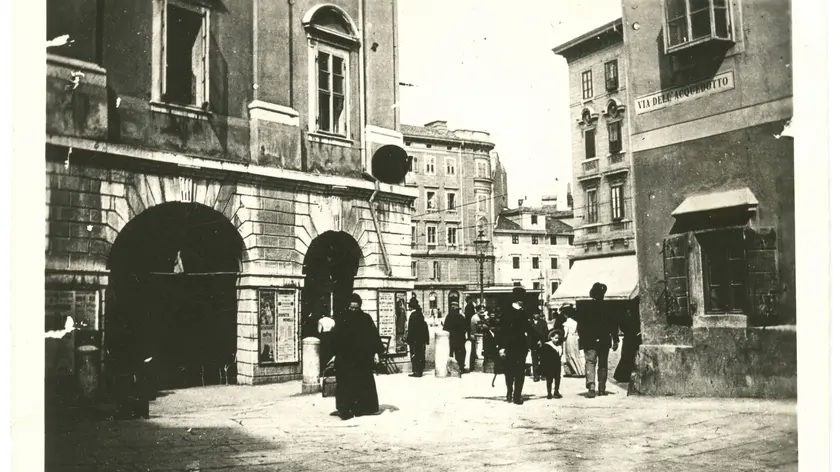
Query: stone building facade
(452, 173)
(222, 174)
(532, 247)
(711, 93)
(602, 167)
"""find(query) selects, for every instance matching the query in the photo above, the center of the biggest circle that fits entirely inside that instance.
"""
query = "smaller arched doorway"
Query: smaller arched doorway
(329, 269)
(172, 306)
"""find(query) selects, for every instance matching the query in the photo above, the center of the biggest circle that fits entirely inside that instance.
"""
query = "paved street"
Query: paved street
(435, 424)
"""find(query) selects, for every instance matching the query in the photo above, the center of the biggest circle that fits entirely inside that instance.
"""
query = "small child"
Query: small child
(551, 361)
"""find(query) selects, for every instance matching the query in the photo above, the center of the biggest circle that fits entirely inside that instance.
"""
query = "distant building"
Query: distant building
(452, 173)
(532, 248)
(500, 184)
(602, 169)
(711, 99)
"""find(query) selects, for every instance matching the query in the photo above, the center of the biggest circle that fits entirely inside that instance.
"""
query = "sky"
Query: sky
(488, 65)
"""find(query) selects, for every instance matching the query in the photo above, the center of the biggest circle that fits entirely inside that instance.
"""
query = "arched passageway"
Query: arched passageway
(172, 297)
(330, 267)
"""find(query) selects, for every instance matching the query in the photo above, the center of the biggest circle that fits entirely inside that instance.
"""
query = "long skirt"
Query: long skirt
(355, 390)
(575, 364)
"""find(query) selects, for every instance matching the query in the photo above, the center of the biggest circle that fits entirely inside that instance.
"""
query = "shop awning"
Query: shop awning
(620, 274)
(716, 201)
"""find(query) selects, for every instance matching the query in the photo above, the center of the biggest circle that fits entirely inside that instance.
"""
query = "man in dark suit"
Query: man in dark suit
(513, 342)
(417, 339)
(596, 330)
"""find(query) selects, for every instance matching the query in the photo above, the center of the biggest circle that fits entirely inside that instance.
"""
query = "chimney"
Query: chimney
(520, 202)
(437, 125)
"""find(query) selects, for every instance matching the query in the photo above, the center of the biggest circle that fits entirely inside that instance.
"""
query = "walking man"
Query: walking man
(457, 327)
(596, 330)
(540, 329)
(417, 338)
(357, 350)
(513, 341)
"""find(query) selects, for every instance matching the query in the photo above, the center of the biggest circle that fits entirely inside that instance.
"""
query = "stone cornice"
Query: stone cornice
(198, 166)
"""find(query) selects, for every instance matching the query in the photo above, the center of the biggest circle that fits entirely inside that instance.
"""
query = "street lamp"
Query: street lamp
(481, 245)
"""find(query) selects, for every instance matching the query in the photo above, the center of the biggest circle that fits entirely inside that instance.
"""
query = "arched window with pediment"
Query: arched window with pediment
(333, 54)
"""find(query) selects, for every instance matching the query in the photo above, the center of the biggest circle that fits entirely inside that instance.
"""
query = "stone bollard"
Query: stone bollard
(87, 370)
(479, 353)
(441, 353)
(311, 365)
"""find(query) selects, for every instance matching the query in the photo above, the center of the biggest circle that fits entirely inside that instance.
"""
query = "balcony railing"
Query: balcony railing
(616, 158)
(590, 166)
(620, 225)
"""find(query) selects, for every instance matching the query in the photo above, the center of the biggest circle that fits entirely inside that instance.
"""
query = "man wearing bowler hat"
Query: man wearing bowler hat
(514, 338)
(596, 330)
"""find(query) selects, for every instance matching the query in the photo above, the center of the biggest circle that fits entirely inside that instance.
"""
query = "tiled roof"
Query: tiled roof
(554, 225)
(506, 224)
(539, 211)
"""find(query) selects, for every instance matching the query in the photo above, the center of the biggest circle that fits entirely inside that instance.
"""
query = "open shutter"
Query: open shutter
(762, 275)
(674, 300)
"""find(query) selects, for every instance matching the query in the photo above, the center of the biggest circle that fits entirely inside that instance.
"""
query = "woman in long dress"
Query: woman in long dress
(574, 359)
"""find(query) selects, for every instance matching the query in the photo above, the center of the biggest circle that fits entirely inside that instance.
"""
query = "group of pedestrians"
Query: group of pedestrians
(511, 335)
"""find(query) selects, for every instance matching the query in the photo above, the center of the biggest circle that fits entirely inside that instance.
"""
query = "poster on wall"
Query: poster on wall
(287, 326)
(402, 321)
(266, 319)
(278, 318)
(386, 318)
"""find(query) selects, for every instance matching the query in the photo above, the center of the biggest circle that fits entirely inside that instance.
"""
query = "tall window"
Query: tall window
(435, 270)
(586, 84)
(481, 169)
(482, 202)
(332, 70)
(688, 21)
(452, 236)
(614, 130)
(534, 219)
(515, 262)
(536, 285)
(589, 142)
(414, 268)
(611, 75)
(413, 234)
(430, 165)
(553, 239)
(554, 263)
(592, 206)
(535, 262)
(181, 70)
(617, 202)
(450, 166)
(431, 201)
(724, 271)
(535, 239)
(412, 164)
(514, 239)
(554, 286)
(450, 201)
(431, 235)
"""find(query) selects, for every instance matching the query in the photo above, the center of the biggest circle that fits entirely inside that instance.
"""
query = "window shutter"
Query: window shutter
(762, 275)
(674, 300)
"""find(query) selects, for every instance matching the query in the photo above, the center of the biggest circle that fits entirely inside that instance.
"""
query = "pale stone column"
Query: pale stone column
(479, 354)
(311, 365)
(441, 353)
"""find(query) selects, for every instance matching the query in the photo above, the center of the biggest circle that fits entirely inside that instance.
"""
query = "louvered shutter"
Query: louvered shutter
(762, 275)
(674, 300)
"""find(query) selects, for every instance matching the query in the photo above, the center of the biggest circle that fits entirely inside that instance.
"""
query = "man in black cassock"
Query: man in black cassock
(357, 350)
(515, 335)
(417, 339)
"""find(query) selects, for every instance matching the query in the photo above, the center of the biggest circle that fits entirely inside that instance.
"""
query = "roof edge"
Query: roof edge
(585, 37)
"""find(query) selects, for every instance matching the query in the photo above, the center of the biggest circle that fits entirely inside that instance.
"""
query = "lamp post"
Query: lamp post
(481, 245)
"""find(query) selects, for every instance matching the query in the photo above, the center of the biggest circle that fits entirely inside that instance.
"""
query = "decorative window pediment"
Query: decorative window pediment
(615, 109)
(331, 24)
(588, 117)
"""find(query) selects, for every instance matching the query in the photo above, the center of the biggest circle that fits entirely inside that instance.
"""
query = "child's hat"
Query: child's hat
(555, 331)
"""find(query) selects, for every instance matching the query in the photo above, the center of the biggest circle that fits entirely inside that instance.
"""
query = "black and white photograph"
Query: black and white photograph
(425, 235)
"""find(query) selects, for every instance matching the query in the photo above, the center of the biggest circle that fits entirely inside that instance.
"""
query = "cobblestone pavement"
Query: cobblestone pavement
(432, 424)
